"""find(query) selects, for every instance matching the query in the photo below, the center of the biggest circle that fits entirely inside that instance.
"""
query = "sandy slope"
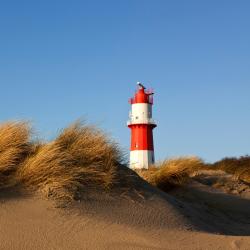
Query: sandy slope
(193, 217)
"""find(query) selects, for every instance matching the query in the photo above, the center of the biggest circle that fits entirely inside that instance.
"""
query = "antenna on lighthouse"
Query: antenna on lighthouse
(140, 84)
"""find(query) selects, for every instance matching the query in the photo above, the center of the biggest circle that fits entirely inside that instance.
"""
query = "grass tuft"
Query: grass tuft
(15, 145)
(81, 156)
(238, 167)
(171, 173)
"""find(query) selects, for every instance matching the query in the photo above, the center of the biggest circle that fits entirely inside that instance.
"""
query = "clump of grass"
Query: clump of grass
(15, 145)
(81, 156)
(171, 173)
(238, 167)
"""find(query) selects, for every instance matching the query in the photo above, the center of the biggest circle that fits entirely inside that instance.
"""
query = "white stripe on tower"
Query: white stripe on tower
(141, 158)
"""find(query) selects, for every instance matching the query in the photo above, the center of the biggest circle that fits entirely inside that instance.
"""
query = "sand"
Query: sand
(196, 216)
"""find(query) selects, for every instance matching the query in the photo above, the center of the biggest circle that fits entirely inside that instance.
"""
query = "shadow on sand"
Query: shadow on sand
(14, 192)
(203, 207)
(214, 212)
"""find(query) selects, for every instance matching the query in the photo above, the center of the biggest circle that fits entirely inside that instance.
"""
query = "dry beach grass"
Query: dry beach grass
(238, 167)
(80, 156)
(15, 145)
(83, 155)
(172, 172)
(176, 172)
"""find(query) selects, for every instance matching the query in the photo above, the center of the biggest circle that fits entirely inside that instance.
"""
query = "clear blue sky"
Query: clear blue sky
(62, 60)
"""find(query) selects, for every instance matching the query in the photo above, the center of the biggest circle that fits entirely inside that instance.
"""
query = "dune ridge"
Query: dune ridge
(99, 203)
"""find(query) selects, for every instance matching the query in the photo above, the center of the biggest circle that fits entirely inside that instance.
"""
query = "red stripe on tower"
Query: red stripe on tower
(141, 125)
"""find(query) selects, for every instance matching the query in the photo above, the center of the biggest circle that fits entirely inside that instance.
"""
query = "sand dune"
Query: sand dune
(196, 216)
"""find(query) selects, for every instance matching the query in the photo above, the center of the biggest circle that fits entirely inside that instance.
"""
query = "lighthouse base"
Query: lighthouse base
(141, 159)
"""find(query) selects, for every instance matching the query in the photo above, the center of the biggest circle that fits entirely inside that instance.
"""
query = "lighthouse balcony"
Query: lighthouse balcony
(141, 121)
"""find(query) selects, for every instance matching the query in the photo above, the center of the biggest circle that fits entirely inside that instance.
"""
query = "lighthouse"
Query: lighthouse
(141, 125)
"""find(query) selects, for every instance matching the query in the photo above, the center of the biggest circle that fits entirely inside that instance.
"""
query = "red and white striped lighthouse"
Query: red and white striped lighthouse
(141, 125)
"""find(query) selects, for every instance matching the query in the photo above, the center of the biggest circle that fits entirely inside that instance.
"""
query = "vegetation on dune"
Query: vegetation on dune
(178, 171)
(171, 173)
(80, 156)
(15, 145)
(238, 167)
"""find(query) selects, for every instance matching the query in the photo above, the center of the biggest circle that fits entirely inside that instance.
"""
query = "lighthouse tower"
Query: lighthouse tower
(141, 125)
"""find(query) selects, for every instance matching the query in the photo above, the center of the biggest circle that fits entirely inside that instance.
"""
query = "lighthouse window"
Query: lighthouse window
(136, 117)
(136, 145)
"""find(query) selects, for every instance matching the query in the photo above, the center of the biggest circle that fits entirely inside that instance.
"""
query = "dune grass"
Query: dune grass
(15, 145)
(81, 156)
(171, 173)
(175, 172)
(238, 167)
